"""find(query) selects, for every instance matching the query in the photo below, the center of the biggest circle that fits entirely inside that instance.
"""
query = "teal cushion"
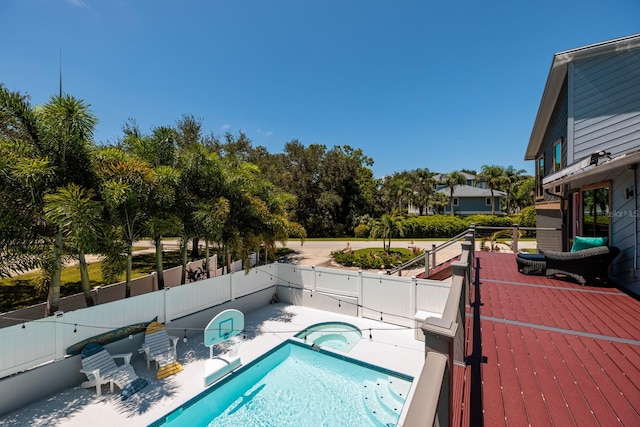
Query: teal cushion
(580, 243)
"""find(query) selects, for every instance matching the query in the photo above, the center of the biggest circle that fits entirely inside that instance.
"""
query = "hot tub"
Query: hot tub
(335, 335)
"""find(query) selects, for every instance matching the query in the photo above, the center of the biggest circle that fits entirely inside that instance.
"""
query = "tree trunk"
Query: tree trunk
(54, 287)
(195, 250)
(452, 213)
(183, 277)
(228, 260)
(84, 278)
(206, 259)
(159, 268)
(129, 268)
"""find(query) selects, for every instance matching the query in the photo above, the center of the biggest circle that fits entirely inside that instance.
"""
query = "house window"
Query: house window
(557, 155)
(557, 160)
(456, 202)
(596, 210)
(540, 175)
(487, 201)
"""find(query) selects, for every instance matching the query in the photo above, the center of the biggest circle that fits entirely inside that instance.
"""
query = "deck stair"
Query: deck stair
(440, 272)
(384, 399)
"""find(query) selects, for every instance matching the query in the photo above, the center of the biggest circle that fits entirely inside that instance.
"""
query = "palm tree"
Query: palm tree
(127, 181)
(494, 177)
(385, 227)
(512, 176)
(451, 180)
(51, 146)
(423, 188)
(75, 212)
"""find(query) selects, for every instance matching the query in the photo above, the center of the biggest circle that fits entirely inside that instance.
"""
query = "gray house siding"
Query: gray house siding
(624, 217)
(557, 129)
(550, 240)
(606, 103)
(473, 206)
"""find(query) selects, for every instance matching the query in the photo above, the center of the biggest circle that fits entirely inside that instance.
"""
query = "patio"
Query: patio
(392, 347)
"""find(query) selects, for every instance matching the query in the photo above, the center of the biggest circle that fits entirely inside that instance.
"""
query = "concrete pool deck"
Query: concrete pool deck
(391, 347)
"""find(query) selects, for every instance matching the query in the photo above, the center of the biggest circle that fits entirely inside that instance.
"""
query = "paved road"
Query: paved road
(318, 253)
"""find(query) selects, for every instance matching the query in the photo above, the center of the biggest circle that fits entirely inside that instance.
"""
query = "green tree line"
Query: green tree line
(65, 196)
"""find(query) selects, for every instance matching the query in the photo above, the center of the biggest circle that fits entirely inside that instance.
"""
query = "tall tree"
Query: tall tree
(77, 214)
(126, 184)
(494, 177)
(451, 180)
(52, 146)
(511, 177)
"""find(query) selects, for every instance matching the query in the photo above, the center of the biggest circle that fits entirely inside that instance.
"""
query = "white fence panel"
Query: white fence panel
(96, 320)
(295, 275)
(388, 297)
(188, 299)
(337, 281)
(103, 318)
(256, 280)
(431, 295)
(24, 348)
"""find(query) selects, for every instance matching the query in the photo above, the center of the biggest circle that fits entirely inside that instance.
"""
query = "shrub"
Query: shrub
(362, 230)
(373, 258)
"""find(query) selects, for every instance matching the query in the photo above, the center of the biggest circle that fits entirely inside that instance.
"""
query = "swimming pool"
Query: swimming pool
(293, 385)
(336, 335)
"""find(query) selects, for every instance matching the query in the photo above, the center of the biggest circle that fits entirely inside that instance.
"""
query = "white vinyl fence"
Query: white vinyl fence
(395, 299)
(32, 343)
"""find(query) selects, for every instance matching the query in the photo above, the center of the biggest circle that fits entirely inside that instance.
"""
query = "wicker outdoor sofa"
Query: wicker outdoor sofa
(587, 265)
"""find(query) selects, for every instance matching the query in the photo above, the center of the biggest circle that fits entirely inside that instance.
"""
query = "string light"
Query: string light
(75, 328)
(185, 336)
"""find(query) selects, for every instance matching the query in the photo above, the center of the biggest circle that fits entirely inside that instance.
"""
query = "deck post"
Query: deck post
(433, 255)
(466, 250)
(514, 244)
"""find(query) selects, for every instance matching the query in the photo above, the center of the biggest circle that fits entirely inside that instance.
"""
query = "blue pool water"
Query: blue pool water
(294, 385)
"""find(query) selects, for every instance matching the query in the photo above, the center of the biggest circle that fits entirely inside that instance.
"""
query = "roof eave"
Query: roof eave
(556, 78)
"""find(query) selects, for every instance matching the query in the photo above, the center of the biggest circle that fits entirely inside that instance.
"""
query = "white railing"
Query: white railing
(396, 299)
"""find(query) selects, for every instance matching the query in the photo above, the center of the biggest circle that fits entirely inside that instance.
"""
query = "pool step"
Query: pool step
(383, 404)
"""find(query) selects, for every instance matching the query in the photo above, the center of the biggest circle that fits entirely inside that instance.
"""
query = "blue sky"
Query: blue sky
(440, 84)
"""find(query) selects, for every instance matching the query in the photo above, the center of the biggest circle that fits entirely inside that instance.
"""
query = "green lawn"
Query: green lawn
(21, 291)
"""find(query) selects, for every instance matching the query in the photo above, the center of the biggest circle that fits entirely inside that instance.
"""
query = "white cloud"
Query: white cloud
(225, 126)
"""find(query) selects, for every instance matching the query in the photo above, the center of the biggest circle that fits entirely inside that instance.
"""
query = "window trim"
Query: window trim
(594, 186)
(557, 163)
(539, 176)
(456, 201)
(487, 201)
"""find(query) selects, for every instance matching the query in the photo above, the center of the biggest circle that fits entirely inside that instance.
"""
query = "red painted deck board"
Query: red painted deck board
(557, 353)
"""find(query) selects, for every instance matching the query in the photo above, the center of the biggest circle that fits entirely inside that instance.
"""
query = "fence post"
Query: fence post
(413, 298)
(360, 292)
(167, 318)
(59, 340)
(514, 245)
(315, 279)
(433, 254)
(233, 297)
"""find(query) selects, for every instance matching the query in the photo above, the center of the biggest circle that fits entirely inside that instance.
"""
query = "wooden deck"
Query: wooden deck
(547, 352)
